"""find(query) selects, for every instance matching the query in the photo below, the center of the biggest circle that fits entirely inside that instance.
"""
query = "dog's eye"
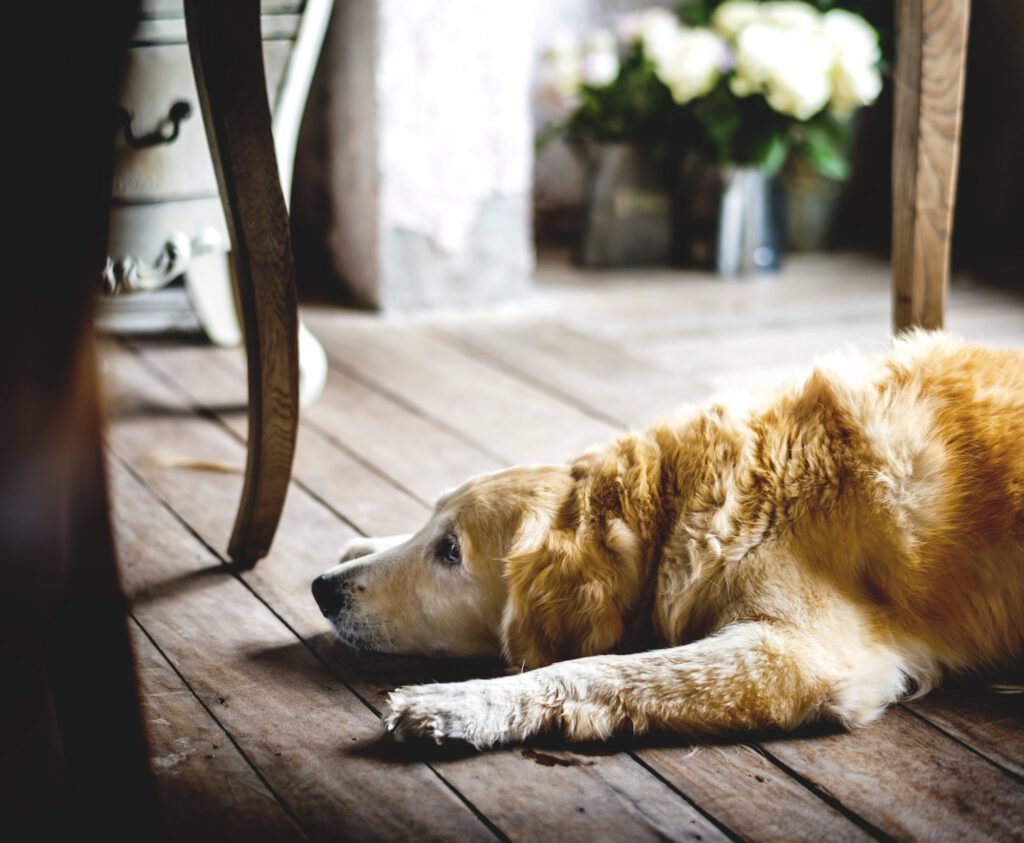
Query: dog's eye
(448, 551)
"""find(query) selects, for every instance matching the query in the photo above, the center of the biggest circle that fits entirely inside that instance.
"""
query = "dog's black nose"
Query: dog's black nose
(329, 596)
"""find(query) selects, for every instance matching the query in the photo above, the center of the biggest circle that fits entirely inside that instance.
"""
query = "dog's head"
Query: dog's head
(534, 563)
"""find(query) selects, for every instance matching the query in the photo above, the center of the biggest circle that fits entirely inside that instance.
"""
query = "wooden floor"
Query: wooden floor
(264, 728)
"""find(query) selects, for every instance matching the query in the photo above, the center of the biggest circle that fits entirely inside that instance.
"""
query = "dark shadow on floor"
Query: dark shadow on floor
(179, 585)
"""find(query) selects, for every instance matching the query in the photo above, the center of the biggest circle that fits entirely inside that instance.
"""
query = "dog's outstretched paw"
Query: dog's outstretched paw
(439, 712)
(483, 712)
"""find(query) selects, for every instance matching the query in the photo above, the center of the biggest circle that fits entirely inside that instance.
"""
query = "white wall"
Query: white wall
(429, 147)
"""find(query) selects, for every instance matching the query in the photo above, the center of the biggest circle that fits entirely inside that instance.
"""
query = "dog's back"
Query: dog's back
(946, 422)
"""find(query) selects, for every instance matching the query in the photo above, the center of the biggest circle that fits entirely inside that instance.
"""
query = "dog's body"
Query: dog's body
(817, 556)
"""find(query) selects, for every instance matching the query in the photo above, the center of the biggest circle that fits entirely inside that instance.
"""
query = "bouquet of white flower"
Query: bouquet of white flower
(605, 87)
(750, 85)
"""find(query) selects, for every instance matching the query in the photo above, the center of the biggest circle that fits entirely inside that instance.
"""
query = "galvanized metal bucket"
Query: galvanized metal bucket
(750, 223)
(627, 209)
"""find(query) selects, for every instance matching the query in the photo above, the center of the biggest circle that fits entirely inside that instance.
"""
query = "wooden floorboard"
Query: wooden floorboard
(208, 788)
(411, 408)
(602, 379)
(910, 780)
(300, 727)
(988, 721)
(433, 377)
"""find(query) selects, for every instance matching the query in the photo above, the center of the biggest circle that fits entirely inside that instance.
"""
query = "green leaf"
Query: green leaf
(772, 153)
(694, 13)
(826, 155)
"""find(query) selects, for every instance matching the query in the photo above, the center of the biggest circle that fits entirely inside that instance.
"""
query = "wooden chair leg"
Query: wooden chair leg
(227, 58)
(931, 51)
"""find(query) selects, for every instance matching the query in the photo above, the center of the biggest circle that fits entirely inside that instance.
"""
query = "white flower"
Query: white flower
(855, 77)
(692, 64)
(852, 36)
(688, 61)
(654, 29)
(791, 14)
(854, 86)
(791, 67)
(801, 88)
(600, 59)
(734, 15)
(560, 76)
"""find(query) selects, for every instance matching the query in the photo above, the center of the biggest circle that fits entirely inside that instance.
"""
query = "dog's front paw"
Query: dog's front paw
(483, 712)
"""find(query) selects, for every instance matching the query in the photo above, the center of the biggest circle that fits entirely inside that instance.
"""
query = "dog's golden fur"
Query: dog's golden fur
(819, 555)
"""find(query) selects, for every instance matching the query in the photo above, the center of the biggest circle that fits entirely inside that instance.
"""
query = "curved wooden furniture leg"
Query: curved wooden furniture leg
(931, 52)
(227, 58)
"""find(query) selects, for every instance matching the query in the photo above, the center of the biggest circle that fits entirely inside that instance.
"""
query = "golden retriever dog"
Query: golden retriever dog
(737, 566)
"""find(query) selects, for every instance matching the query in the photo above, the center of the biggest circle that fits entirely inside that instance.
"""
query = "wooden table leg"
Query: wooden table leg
(931, 51)
(227, 58)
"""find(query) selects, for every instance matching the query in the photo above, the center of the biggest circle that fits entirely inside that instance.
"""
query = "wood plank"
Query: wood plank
(747, 352)
(715, 356)
(418, 455)
(207, 789)
(637, 807)
(368, 499)
(631, 305)
(931, 63)
(298, 725)
(576, 797)
(752, 796)
(998, 324)
(478, 402)
(911, 781)
(600, 378)
(634, 307)
(991, 723)
(422, 457)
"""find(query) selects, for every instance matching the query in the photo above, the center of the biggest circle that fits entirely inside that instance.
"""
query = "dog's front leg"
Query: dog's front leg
(748, 676)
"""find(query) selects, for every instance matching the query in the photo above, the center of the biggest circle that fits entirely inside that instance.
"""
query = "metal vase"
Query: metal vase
(749, 223)
(627, 210)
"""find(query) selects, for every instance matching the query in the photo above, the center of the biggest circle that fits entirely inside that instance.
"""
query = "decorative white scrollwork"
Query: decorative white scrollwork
(129, 274)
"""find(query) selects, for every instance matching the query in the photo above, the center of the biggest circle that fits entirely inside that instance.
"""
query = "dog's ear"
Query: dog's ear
(564, 599)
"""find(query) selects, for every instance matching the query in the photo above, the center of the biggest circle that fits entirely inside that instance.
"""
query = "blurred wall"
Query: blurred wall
(413, 187)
